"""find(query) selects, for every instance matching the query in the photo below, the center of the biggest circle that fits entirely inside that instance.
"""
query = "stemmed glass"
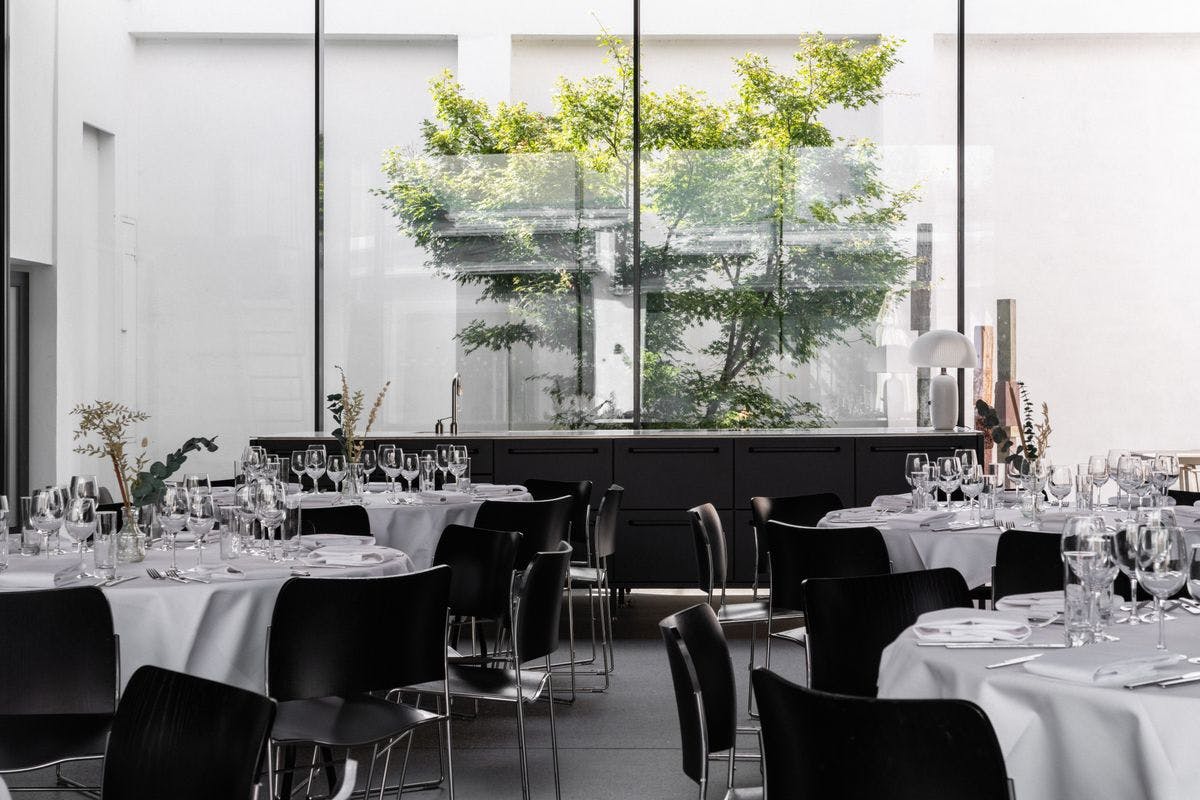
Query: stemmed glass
(314, 464)
(369, 465)
(1193, 580)
(247, 512)
(4, 532)
(46, 514)
(1060, 482)
(81, 523)
(335, 468)
(84, 486)
(1097, 468)
(201, 517)
(173, 515)
(972, 485)
(1162, 567)
(299, 465)
(197, 483)
(270, 508)
(1088, 549)
(1113, 460)
(966, 458)
(254, 460)
(1125, 550)
(429, 455)
(442, 455)
(410, 468)
(1129, 477)
(1145, 485)
(459, 462)
(428, 468)
(1163, 472)
(389, 462)
(949, 476)
(914, 463)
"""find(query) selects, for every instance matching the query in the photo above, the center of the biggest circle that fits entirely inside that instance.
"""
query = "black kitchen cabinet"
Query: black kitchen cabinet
(879, 467)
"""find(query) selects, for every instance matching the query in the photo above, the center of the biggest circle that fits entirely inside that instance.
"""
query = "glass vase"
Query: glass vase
(131, 540)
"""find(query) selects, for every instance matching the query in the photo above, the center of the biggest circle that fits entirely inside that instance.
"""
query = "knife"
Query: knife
(1012, 661)
(994, 645)
(1186, 677)
(1191, 677)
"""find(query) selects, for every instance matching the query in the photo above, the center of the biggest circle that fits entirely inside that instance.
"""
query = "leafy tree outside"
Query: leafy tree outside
(765, 237)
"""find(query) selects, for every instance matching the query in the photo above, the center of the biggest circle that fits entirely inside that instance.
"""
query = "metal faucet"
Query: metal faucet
(456, 391)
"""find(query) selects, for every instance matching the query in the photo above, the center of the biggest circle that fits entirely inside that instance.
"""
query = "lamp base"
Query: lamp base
(943, 401)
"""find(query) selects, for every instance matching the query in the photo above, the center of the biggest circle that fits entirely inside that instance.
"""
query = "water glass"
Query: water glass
(104, 545)
(428, 473)
(231, 536)
(30, 539)
(80, 518)
(988, 492)
(289, 539)
(1077, 605)
(3, 533)
(463, 476)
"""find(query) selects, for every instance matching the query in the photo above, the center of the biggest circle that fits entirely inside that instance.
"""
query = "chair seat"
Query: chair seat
(487, 683)
(586, 575)
(797, 635)
(345, 722)
(757, 611)
(745, 793)
(29, 741)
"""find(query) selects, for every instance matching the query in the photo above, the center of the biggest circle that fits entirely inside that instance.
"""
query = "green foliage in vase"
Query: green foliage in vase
(766, 237)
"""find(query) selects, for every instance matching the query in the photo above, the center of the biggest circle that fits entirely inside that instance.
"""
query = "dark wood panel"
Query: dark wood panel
(879, 461)
(517, 460)
(674, 473)
(655, 548)
(790, 466)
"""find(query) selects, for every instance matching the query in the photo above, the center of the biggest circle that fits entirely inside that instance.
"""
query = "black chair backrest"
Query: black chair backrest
(481, 568)
(817, 744)
(1027, 561)
(705, 691)
(1184, 498)
(325, 638)
(58, 652)
(798, 553)
(712, 557)
(541, 523)
(801, 509)
(850, 621)
(336, 519)
(186, 738)
(539, 603)
(580, 493)
(605, 536)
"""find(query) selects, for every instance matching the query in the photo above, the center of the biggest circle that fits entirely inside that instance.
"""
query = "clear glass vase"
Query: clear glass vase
(131, 540)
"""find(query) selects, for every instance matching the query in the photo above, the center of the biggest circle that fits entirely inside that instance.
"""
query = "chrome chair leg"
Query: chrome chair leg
(553, 732)
(521, 740)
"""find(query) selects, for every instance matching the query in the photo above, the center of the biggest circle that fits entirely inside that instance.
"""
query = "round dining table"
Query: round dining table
(937, 538)
(1067, 740)
(214, 630)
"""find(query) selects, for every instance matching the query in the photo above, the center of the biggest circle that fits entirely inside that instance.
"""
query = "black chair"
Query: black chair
(580, 493)
(541, 523)
(59, 678)
(481, 569)
(801, 509)
(536, 606)
(186, 738)
(705, 695)
(708, 536)
(336, 519)
(796, 553)
(817, 744)
(326, 653)
(1184, 498)
(594, 575)
(851, 621)
(1027, 561)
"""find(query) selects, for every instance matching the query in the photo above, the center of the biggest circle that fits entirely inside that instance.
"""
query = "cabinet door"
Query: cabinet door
(656, 548)
(584, 459)
(783, 467)
(879, 460)
(674, 473)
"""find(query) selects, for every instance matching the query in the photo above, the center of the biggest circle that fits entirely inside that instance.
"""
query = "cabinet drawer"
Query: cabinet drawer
(675, 473)
(879, 461)
(656, 548)
(800, 465)
(556, 459)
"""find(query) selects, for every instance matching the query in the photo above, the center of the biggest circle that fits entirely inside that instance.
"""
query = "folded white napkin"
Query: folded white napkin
(892, 502)
(935, 519)
(444, 497)
(251, 573)
(857, 516)
(971, 625)
(1053, 520)
(311, 541)
(39, 579)
(1038, 603)
(351, 555)
(1103, 664)
(495, 489)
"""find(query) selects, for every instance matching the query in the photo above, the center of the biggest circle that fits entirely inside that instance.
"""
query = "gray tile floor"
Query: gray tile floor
(621, 744)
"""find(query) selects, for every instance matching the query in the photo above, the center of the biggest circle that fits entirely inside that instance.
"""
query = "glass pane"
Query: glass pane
(477, 219)
(174, 271)
(1081, 129)
(797, 214)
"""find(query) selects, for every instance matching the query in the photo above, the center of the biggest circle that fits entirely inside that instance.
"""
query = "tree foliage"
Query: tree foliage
(765, 237)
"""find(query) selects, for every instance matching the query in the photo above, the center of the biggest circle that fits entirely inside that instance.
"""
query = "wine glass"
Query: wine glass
(369, 465)
(1146, 484)
(442, 455)
(1193, 581)
(254, 460)
(410, 468)
(458, 465)
(1097, 468)
(84, 486)
(914, 462)
(1114, 463)
(429, 455)
(335, 468)
(428, 470)
(1164, 469)
(389, 461)
(972, 485)
(173, 516)
(949, 475)
(46, 513)
(1162, 565)
(270, 508)
(1129, 477)
(967, 458)
(1060, 481)
(1083, 536)
(245, 500)
(1125, 549)
(299, 464)
(201, 517)
(80, 518)
(314, 464)
(197, 483)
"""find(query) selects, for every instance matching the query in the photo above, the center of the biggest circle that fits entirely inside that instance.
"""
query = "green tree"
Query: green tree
(765, 237)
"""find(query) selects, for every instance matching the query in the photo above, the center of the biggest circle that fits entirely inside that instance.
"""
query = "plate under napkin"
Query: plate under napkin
(971, 625)
(311, 541)
(1032, 603)
(351, 555)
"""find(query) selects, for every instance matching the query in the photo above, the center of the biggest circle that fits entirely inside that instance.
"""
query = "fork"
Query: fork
(174, 573)
(158, 575)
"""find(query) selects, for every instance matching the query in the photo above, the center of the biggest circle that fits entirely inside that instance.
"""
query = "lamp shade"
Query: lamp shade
(941, 348)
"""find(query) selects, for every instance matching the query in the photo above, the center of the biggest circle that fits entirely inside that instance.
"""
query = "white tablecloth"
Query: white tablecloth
(216, 630)
(416, 528)
(1068, 741)
(972, 552)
